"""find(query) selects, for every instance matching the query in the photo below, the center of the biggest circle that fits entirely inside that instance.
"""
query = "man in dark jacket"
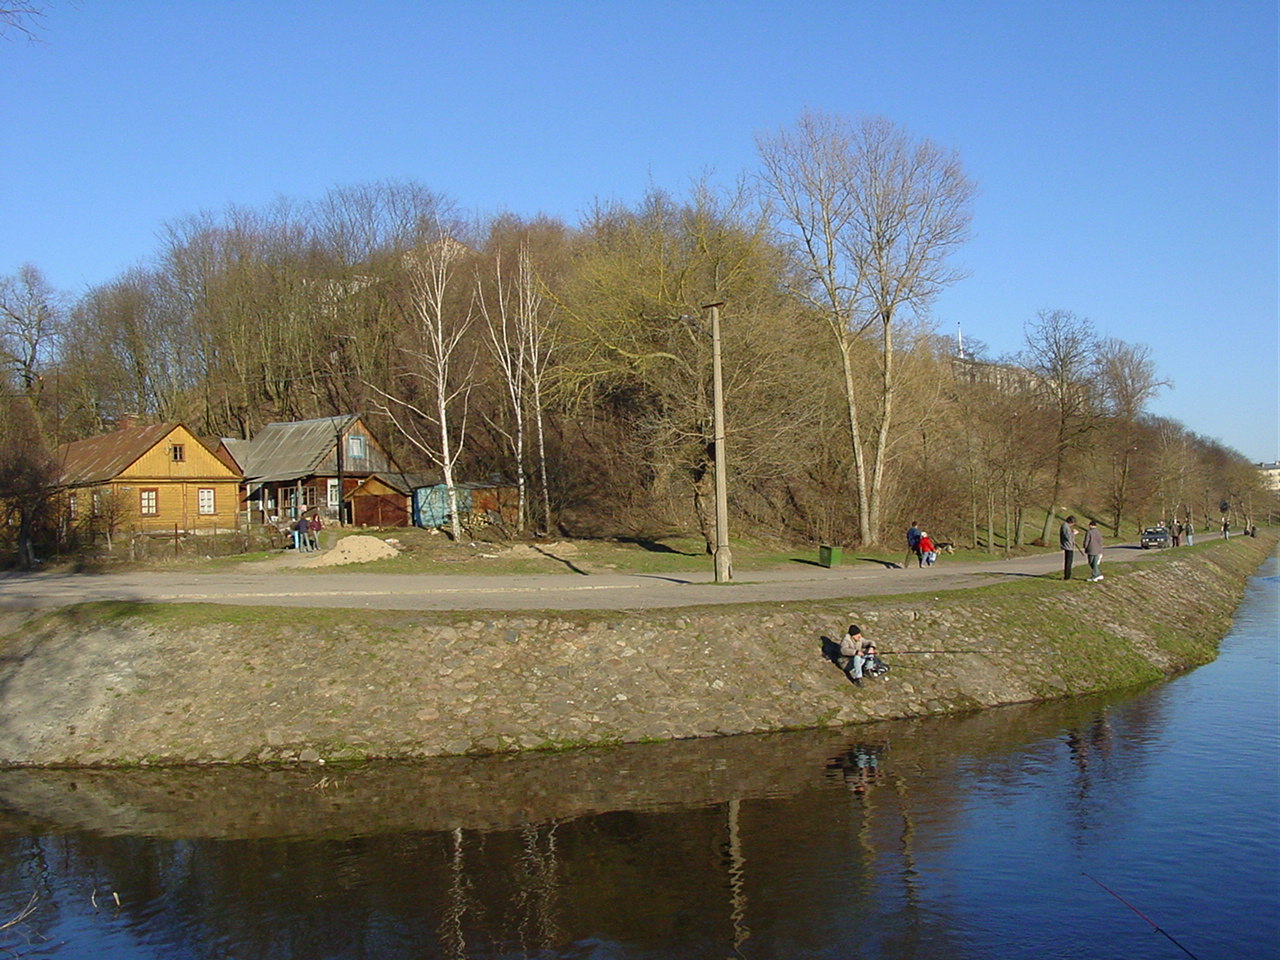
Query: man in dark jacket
(1067, 538)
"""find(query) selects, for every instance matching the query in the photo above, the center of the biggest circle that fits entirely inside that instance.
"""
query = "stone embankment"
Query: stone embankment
(116, 684)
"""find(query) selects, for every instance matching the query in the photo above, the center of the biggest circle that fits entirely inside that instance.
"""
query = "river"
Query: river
(1141, 824)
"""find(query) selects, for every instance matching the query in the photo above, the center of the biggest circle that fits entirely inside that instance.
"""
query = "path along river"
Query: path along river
(975, 838)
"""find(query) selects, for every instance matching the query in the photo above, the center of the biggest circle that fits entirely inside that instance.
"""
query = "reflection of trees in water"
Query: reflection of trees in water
(827, 858)
(537, 888)
(452, 937)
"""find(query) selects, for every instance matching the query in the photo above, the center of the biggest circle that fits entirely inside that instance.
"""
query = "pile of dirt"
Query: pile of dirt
(356, 549)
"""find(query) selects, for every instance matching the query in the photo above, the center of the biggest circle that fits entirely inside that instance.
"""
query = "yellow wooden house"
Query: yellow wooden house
(153, 478)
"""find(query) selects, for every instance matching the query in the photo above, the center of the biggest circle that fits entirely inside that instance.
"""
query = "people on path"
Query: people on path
(301, 534)
(913, 542)
(928, 552)
(1190, 531)
(1175, 533)
(1093, 550)
(314, 526)
(1067, 539)
(1226, 529)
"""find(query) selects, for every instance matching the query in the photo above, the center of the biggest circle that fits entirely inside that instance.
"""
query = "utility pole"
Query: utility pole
(723, 558)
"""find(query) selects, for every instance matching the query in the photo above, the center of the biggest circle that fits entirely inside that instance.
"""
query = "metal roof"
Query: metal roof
(237, 447)
(287, 451)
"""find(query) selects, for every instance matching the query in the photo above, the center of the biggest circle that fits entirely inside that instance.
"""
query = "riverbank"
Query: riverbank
(126, 684)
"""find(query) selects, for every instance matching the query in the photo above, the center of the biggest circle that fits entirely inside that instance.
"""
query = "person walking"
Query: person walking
(1067, 540)
(1093, 550)
(928, 552)
(1226, 529)
(913, 543)
(1191, 533)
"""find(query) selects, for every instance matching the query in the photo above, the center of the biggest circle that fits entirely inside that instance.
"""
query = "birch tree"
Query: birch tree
(429, 407)
(520, 340)
(871, 217)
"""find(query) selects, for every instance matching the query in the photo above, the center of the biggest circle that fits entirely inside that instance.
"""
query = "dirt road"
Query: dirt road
(267, 586)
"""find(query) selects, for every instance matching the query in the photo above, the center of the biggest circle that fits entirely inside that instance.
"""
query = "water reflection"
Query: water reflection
(958, 838)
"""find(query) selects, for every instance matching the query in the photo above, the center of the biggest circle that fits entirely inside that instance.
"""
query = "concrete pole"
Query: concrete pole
(723, 558)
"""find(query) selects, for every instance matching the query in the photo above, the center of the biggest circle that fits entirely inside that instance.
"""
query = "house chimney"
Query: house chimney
(127, 421)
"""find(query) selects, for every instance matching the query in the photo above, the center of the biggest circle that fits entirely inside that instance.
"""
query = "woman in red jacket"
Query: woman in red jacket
(928, 550)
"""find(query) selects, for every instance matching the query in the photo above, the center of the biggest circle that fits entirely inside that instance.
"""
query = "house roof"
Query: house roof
(237, 448)
(404, 483)
(104, 457)
(287, 451)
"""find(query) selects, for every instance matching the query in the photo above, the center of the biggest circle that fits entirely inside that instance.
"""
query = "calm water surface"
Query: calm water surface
(962, 838)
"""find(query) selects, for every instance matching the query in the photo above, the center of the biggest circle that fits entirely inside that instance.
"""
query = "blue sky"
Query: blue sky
(1125, 152)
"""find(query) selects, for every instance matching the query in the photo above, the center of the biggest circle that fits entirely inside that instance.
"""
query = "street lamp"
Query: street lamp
(723, 558)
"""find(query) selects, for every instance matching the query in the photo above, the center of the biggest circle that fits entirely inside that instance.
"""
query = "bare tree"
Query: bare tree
(438, 380)
(27, 474)
(506, 316)
(31, 315)
(1064, 353)
(1127, 380)
(20, 18)
(871, 216)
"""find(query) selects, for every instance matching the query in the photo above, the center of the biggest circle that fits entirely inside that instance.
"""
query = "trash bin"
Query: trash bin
(830, 556)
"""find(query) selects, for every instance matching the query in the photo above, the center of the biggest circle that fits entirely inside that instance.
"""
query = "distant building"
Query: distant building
(1270, 474)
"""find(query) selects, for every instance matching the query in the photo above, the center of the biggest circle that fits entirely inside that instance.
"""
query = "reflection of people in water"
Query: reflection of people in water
(859, 766)
(1095, 740)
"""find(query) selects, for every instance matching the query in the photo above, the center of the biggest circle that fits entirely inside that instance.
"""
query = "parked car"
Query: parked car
(1156, 537)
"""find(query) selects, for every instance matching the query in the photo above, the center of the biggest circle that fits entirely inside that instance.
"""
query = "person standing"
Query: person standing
(913, 543)
(1067, 540)
(1093, 550)
(1226, 529)
(1190, 532)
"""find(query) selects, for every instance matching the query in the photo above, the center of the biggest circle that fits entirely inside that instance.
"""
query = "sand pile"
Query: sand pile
(355, 549)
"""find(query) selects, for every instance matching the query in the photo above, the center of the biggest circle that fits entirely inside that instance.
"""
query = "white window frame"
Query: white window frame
(206, 500)
(356, 446)
(151, 494)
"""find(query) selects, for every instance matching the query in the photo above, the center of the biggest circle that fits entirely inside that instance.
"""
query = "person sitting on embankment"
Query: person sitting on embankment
(856, 655)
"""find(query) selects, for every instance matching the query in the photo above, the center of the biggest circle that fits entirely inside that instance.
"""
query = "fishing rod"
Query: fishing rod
(896, 653)
(1154, 925)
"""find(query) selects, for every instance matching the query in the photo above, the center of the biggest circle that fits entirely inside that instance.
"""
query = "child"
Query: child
(928, 550)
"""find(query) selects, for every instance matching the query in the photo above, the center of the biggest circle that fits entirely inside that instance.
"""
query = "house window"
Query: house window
(96, 505)
(149, 502)
(177, 452)
(72, 506)
(355, 446)
(204, 498)
(331, 497)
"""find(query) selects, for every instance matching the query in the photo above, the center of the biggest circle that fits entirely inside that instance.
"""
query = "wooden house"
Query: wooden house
(148, 479)
(324, 465)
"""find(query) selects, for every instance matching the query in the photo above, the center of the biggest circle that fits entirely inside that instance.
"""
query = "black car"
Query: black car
(1156, 537)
